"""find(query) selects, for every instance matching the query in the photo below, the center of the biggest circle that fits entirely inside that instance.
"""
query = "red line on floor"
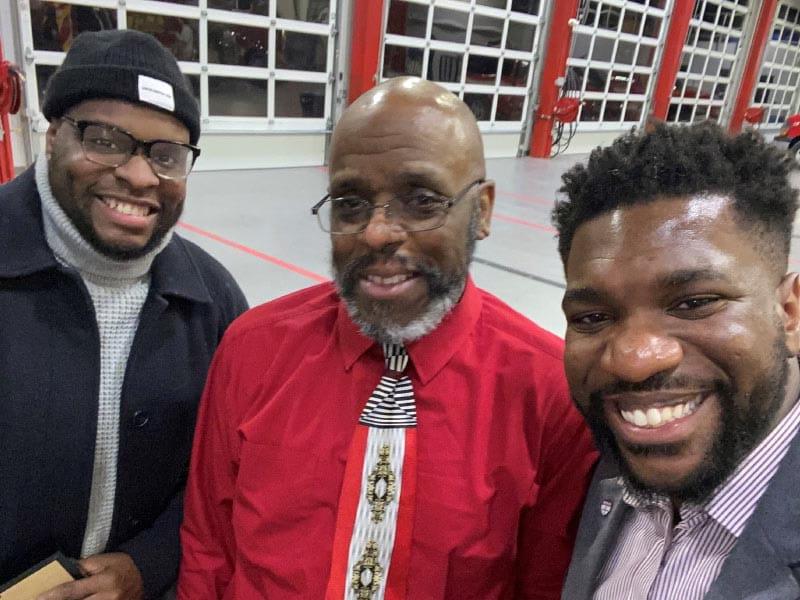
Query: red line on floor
(523, 222)
(253, 252)
(526, 198)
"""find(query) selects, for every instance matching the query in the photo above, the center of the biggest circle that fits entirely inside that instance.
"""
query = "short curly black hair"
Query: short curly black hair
(682, 160)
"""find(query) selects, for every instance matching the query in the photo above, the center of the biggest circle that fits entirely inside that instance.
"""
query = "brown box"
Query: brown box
(49, 573)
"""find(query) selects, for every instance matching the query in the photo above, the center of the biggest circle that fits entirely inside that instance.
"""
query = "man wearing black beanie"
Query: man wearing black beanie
(108, 321)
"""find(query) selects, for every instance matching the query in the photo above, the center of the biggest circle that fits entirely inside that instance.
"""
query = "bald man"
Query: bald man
(398, 433)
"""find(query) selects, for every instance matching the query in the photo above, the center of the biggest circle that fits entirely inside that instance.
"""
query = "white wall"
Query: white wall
(222, 151)
(500, 145)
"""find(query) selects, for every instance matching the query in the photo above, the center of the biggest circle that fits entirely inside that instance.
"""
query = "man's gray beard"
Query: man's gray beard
(380, 326)
(387, 332)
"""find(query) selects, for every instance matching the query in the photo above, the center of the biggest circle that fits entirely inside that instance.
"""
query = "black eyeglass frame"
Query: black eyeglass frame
(146, 147)
(448, 203)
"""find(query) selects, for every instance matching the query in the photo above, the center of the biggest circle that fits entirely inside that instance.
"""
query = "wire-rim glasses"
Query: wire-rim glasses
(112, 146)
(417, 210)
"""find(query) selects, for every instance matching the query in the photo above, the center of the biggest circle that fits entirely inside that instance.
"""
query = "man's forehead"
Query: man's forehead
(698, 232)
(396, 174)
(398, 118)
(407, 147)
(661, 221)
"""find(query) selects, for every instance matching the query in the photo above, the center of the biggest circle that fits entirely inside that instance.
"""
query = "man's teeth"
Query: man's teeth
(655, 417)
(393, 280)
(126, 208)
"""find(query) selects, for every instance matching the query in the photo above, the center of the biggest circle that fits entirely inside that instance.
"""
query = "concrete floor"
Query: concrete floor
(259, 225)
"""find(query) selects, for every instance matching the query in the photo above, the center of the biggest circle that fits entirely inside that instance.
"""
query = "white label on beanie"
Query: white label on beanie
(155, 91)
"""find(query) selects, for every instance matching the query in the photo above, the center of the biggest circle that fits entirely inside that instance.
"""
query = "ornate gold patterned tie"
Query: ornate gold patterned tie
(372, 544)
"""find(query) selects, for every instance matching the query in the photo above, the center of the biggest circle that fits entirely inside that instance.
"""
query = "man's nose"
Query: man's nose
(382, 229)
(639, 351)
(138, 172)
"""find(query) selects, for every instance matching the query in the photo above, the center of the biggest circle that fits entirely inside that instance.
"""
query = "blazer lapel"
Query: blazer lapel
(765, 562)
(602, 518)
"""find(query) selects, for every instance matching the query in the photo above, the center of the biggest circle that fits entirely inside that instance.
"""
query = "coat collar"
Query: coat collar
(24, 250)
(22, 244)
(428, 354)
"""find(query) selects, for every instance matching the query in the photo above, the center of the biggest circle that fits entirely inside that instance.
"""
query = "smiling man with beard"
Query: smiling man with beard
(399, 433)
(108, 321)
(681, 351)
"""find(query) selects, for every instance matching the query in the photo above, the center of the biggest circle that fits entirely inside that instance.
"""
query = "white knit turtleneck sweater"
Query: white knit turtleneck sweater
(118, 290)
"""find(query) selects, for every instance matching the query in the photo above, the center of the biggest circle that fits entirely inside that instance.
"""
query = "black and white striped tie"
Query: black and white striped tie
(392, 403)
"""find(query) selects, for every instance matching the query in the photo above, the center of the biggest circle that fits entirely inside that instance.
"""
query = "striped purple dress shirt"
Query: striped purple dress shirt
(653, 560)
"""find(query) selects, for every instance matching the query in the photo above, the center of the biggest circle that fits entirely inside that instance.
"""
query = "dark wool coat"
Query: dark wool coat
(49, 386)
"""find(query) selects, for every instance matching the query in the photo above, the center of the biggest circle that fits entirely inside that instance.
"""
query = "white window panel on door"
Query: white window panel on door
(713, 44)
(612, 61)
(776, 89)
(44, 46)
(481, 50)
(254, 65)
(174, 25)
(228, 16)
(288, 87)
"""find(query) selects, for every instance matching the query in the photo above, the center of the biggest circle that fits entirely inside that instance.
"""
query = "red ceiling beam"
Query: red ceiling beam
(753, 65)
(365, 47)
(671, 58)
(555, 64)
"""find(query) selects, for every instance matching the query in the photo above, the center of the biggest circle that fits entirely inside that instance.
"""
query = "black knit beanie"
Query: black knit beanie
(124, 65)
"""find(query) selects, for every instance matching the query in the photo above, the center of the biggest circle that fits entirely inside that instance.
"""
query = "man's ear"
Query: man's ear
(788, 305)
(486, 206)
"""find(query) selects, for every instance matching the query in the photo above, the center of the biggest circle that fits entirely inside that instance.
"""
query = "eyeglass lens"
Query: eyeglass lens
(417, 212)
(114, 148)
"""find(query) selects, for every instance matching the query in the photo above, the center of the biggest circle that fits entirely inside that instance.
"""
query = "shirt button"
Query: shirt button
(140, 419)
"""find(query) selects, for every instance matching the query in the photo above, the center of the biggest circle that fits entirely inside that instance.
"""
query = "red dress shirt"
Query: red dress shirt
(503, 457)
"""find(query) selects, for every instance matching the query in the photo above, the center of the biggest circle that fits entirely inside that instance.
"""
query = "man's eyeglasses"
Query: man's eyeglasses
(417, 210)
(111, 146)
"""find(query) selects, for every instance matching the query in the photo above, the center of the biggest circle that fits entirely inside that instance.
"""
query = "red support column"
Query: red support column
(555, 62)
(6, 156)
(753, 64)
(671, 59)
(365, 47)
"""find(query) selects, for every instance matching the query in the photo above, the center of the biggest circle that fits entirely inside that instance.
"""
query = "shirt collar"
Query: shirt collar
(641, 499)
(691, 514)
(428, 354)
(24, 249)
